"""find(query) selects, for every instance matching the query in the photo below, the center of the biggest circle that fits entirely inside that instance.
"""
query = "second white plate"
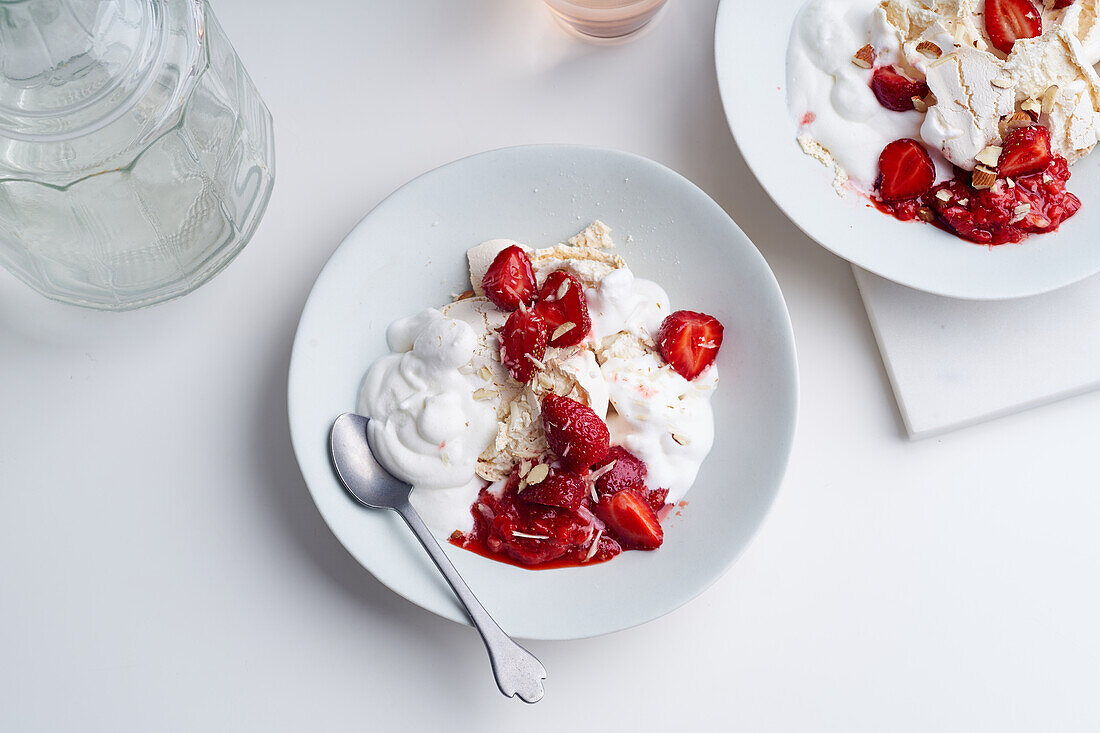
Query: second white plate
(751, 68)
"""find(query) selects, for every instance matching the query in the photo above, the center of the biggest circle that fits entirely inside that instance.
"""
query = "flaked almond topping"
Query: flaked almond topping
(466, 295)
(929, 49)
(1047, 100)
(538, 474)
(963, 202)
(1011, 183)
(563, 289)
(864, 58)
(1020, 212)
(926, 214)
(989, 155)
(484, 394)
(1033, 107)
(522, 307)
(919, 105)
(1001, 82)
(563, 329)
(595, 545)
(1014, 120)
(943, 194)
(983, 177)
(485, 373)
(524, 468)
(1047, 178)
(601, 471)
(680, 439)
(538, 364)
(530, 536)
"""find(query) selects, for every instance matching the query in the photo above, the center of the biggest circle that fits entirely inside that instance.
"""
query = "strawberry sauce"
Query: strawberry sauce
(1008, 212)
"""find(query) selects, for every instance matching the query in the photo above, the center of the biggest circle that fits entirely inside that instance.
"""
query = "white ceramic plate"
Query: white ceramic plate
(751, 69)
(409, 253)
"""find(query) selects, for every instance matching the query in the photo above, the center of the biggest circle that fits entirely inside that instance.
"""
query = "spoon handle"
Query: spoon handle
(517, 671)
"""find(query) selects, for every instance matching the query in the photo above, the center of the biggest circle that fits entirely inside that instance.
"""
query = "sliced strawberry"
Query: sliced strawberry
(522, 342)
(894, 91)
(629, 471)
(510, 279)
(560, 488)
(1007, 21)
(906, 171)
(574, 432)
(631, 520)
(564, 308)
(1025, 150)
(689, 341)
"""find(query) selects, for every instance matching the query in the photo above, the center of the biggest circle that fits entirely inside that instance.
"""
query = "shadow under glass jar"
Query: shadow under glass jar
(136, 156)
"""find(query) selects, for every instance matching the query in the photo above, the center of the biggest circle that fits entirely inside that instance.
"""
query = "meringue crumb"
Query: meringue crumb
(820, 153)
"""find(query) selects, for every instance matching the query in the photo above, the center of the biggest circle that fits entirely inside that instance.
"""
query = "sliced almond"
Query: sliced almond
(466, 294)
(963, 202)
(563, 289)
(1033, 107)
(1001, 82)
(595, 545)
(1047, 100)
(929, 49)
(943, 194)
(563, 329)
(989, 155)
(484, 394)
(538, 364)
(530, 536)
(983, 177)
(538, 474)
(864, 58)
(1014, 120)
(680, 439)
(1020, 212)
(920, 105)
(524, 468)
(485, 373)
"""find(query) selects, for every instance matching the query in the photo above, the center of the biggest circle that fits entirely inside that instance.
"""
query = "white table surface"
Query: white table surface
(163, 569)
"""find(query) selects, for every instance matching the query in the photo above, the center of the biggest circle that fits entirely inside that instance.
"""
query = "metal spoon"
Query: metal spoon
(516, 669)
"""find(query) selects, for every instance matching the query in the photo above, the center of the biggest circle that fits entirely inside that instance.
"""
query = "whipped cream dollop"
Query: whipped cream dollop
(446, 416)
(425, 425)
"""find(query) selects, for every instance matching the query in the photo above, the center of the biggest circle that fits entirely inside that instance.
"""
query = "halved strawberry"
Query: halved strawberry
(906, 171)
(894, 91)
(559, 488)
(564, 308)
(522, 343)
(631, 520)
(510, 279)
(689, 341)
(1025, 150)
(1007, 21)
(574, 432)
(629, 471)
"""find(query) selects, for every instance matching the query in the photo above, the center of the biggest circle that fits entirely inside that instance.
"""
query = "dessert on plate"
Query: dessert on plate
(553, 414)
(965, 114)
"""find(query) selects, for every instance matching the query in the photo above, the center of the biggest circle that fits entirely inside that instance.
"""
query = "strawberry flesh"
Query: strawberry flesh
(1007, 21)
(894, 91)
(576, 434)
(689, 341)
(510, 279)
(1025, 150)
(561, 301)
(560, 488)
(629, 471)
(522, 339)
(906, 171)
(631, 520)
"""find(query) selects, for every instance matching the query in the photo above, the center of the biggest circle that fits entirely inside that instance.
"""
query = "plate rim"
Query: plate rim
(453, 612)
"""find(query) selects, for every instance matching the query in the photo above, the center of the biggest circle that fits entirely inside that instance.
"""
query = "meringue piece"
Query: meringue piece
(1082, 19)
(1056, 59)
(967, 116)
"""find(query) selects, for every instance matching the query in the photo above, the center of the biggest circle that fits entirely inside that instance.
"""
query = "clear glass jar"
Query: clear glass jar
(136, 155)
